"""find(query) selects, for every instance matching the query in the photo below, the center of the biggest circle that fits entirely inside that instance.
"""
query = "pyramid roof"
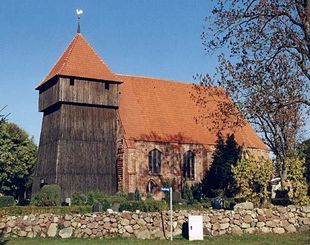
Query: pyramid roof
(80, 60)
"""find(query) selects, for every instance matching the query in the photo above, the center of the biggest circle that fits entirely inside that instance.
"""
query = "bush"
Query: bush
(197, 191)
(137, 195)
(78, 199)
(187, 194)
(229, 203)
(296, 180)
(252, 176)
(143, 206)
(49, 195)
(6, 201)
(26, 210)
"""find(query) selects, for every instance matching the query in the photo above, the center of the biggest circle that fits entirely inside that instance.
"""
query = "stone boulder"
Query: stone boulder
(66, 232)
(52, 230)
(244, 206)
(145, 234)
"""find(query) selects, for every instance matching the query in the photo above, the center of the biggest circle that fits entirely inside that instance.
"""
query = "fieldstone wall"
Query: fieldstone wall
(156, 225)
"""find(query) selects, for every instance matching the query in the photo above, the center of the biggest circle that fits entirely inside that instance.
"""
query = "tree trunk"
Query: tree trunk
(282, 171)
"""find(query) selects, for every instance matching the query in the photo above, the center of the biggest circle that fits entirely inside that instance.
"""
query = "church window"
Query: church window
(106, 86)
(189, 165)
(155, 162)
(71, 82)
(151, 187)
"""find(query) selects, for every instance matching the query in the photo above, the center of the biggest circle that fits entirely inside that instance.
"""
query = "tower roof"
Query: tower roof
(80, 60)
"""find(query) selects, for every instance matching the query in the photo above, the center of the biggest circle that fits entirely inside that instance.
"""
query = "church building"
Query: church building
(110, 132)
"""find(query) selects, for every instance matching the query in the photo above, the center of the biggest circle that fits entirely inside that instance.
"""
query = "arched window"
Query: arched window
(155, 161)
(151, 186)
(189, 165)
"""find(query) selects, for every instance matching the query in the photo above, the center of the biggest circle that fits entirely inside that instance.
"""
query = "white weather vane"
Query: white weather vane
(79, 12)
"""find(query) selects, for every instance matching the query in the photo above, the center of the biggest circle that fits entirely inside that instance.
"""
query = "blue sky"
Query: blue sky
(158, 38)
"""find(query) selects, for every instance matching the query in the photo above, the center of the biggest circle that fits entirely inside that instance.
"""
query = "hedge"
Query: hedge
(143, 206)
(6, 201)
(26, 210)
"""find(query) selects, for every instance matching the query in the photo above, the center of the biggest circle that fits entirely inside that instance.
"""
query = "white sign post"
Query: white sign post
(171, 212)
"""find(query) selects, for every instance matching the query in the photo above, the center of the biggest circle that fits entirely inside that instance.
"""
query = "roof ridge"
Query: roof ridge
(156, 78)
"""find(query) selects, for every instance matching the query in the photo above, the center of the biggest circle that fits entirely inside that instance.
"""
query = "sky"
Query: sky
(156, 38)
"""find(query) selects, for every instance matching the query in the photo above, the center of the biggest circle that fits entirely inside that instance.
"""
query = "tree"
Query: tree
(266, 72)
(18, 156)
(219, 179)
(253, 176)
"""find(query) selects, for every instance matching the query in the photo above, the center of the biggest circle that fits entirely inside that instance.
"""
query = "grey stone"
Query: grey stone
(245, 225)
(52, 230)
(265, 230)
(145, 234)
(68, 217)
(225, 220)
(129, 228)
(88, 231)
(22, 233)
(260, 224)
(260, 211)
(290, 228)
(291, 208)
(306, 209)
(236, 231)
(125, 222)
(271, 223)
(278, 230)
(244, 205)
(250, 230)
(66, 232)
(224, 226)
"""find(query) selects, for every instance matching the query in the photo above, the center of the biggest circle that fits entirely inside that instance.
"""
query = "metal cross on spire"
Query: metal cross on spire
(79, 12)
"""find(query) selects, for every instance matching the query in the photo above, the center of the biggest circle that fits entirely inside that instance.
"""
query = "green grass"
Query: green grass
(284, 239)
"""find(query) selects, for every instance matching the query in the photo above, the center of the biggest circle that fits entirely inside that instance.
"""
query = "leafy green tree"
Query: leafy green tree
(252, 177)
(303, 150)
(219, 180)
(18, 155)
(296, 179)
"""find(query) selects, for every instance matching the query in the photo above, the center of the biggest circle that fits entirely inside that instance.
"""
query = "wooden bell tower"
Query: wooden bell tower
(79, 101)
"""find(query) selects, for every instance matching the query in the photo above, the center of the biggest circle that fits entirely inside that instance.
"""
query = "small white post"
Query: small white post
(171, 212)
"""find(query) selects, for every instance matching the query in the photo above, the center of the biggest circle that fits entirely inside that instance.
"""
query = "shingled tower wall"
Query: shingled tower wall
(79, 101)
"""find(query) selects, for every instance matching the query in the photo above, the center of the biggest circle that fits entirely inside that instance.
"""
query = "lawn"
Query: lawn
(294, 239)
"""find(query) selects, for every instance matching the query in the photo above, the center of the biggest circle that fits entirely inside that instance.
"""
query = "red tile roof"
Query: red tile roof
(150, 109)
(159, 110)
(80, 60)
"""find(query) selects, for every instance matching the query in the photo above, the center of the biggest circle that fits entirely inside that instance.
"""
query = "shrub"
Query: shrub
(19, 210)
(78, 199)
(229, 203)
(49, 195)
(6, 201)
(105, 205)
(252, 176)
(137, 195)
(94, 196)
(296, 180)
(144, 206)
(197, 191)
(87, 199)
(187, 194)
